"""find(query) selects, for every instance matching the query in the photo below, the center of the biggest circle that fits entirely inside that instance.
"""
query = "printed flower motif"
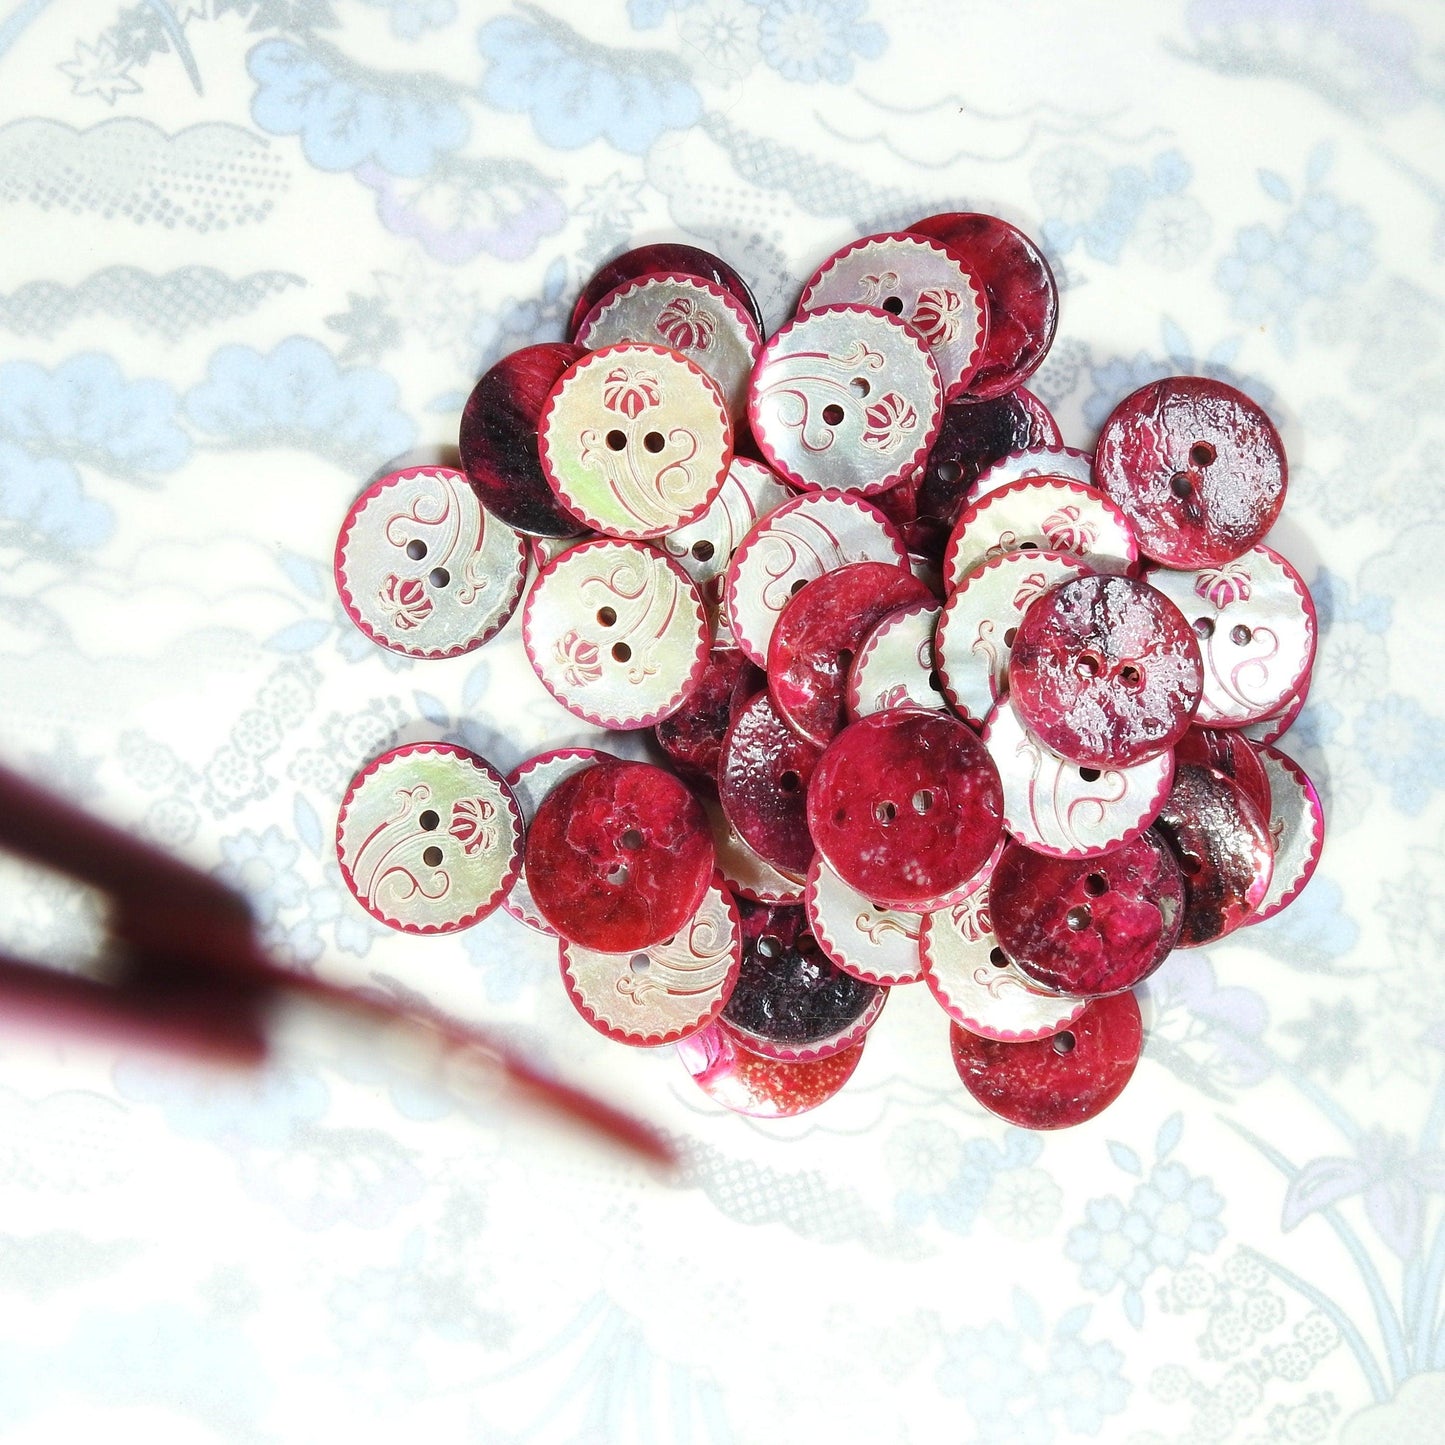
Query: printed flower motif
(1085, 1382)
(685, 325)
(1182, 1214)
(939, 315)
(1023, 1203)
(405, 601)
(813, 40)
(630, 390)
(888, 421)
(971, 918)
(1030, 590)
(1404, 747)
(263, 867)
(578, 658)
(1224, 585)
(473, 825)
(1109, 1246)
(725, 36)
(1068, 533)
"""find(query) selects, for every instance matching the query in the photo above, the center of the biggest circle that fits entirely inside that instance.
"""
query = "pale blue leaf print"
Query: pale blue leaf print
(304, 573)
(1134, 1308)
(308, 825)
(446, 402)
(1125, 1158)
(479, 679)
(1318, 1185)
(432, 709)
(1176, 343)
(1028, 1314)
(1074, 1320)
(1322, 157)
(1169, 1133)
(299, 636)
(1276, 186)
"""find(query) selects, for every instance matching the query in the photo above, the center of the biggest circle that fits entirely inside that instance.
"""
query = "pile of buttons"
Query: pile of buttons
(935, 699)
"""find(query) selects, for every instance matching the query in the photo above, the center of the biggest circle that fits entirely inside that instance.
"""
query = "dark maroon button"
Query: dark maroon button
(1231, 753)
(818, 634)
(1106, 671)
(791, 1001)
(1197, 467)
(658, 260)
(763, 784)
(1092, 925)
(619, 856)
(906, 806)
(692, 737)
(1055, 1082)
(498, 440)
(1023, 301)
(1223, 849)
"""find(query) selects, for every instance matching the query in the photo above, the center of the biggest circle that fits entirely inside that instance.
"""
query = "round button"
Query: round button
(1231, 753)
(820, 632)
(692, 737)
(1056, 1082)
(905, 806)
(498, 439)
(971, 976)
(660, 994)
(980, 620)
(688, 315)
(895, 665)
(760, 1087)
(798, 541)
(745, 873)
(920, 281)
(429, 838)
(1090, 926)
(763, 784)
(1105, 671)
(616, 633)
(1272, 728)
(1256, 626)
(1197, 467)
(1057, 807)
(1022, 299)
(1067, 464)
(791, 1002)
(1222, 846)
(667, 258)
(1040, 514)
(1296, 829)
(845, 397)
(619, 856)
(422, 568)
(877, 945)
(530, 782)
(635, 440)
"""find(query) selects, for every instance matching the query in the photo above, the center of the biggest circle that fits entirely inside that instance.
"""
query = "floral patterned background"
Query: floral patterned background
(256, 248)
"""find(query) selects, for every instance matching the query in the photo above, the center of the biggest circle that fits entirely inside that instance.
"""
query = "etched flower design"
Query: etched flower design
(405, 602)
(578, 658)
(1223, 585)
(971, 918)
(474, 825)
(1068, 532)
(939, 315)
(685, 325)
(888, 421)
(630, 390)
(1030, 590)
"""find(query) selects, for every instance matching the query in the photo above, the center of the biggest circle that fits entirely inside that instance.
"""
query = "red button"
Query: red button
(1056, 1082)
(1105, 671)
(1198, 468)
(1023, 301)
(665, 258)
(692, 737)
(748, 1083)
(1090, 926)
(820, 632)
(498, 440)
(619, 856)
(745, 873)
(1228, 751)
(905, 806)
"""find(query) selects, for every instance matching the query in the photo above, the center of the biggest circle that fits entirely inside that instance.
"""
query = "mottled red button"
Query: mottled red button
(1091, 926)
(1198, 468)
(1105, 671)
(692, 737)
(619, 856)
(763, 1088)
(905, 806)
(746, 874)
(819, 633)
(1056, 1082)
(1231, 753)
(1222, 846)
(763, 782)
(663, 259)
(498, 440)
(1023, 301)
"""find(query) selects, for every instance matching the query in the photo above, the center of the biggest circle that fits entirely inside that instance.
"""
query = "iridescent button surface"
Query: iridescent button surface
(1066, 463)
(660, 994)
(1105, 671)
(1056, 1082)
(847, 397)
(878, 945)
(1197, 467)
(664, 258)
(918, 280)
(429, 838)
(423, 568)
(1255, 621)
(746, 873)
(616, 633)
(635, 440)
(1296, 830)
(763, 1088)
(895, 665)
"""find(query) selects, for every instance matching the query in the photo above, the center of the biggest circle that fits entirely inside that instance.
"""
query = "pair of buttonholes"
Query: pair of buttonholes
(886, 811)
(1181, 483)
(430, 821)
(770, 946)
(652, 441)
(1081, 915)
(1091, 665)
(1239, 634)
(438, 576)
(833, 414)
(607, 617)
(631, 840)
